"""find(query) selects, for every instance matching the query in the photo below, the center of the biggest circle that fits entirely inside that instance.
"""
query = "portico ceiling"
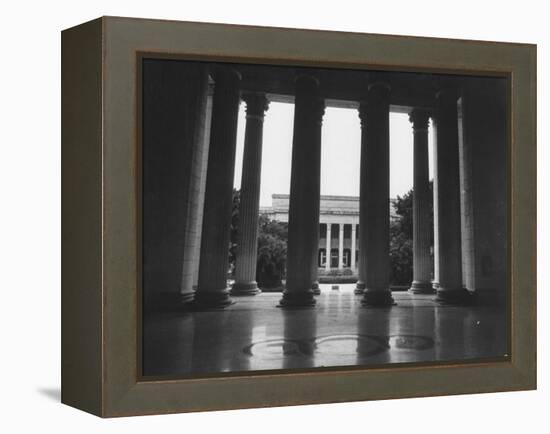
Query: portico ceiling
(342, 87)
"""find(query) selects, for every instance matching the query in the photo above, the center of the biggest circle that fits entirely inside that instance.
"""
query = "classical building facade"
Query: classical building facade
(190, 130)
(338, 228)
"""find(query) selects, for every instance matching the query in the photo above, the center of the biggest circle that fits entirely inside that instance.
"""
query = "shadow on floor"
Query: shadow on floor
(52, 393)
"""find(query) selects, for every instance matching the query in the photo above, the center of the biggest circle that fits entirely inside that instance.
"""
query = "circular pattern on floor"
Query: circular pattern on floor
(338, 344)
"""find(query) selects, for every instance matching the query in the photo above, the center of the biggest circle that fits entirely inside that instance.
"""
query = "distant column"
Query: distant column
(341, 246)
(421, 214)
(374, 210)
(450, 288)
(303, 215)
(353, 246)
(247, 251)
(212, 289)
(328, 247)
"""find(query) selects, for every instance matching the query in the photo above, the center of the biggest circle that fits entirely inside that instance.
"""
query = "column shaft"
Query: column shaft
(360, 285)
(303, 218)
(315, 265)
(450, 289)
(374, 215)
(421, 213)
(435, 282)
(353, 247)
(328, 246)
(212, 287)
(341, 246)
(247, 250)
(174, 115)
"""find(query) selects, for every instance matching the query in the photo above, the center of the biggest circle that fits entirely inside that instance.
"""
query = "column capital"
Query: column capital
(419, 119)
(307, 80)
(256, 104)
(307, 89)
(377, 99)
(226, 75)
(447, 88)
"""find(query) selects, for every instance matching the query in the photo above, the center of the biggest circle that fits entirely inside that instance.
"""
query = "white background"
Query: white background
(30, 215)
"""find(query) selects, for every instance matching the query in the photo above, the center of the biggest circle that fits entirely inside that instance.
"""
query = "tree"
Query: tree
(234, 231)
(401, 238)
(272, 239)
(271, 262)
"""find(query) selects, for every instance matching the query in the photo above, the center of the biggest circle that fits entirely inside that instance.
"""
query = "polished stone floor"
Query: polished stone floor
(253, 334)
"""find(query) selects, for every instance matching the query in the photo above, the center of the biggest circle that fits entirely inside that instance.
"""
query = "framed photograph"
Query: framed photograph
(259, 216)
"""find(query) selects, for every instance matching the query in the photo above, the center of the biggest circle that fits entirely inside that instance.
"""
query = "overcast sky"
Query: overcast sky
(341, 139)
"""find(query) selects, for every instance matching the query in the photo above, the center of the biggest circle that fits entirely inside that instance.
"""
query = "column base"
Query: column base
(296, 300)
(459, 296)
(315, 288)
(359, 288)
(422, 288)
(206, 300)
(244, 288)
(377, 298)
(168, 302)
(187, 297)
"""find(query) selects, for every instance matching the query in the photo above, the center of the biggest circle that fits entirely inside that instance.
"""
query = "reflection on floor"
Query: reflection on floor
(253, 334)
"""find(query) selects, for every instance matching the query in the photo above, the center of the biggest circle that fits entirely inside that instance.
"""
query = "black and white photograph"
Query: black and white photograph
(300, 217)
(284, 217)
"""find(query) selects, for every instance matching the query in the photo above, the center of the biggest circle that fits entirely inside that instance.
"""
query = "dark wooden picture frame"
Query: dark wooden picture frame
(101, 301)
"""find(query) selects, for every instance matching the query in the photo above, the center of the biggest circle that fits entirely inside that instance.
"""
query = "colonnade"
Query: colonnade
(341, 239)
(304, 206)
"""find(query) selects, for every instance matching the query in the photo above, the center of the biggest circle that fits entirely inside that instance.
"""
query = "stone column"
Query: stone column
(449, 289)
(353, 246)
(174, 117)
(247, 250)
(212, 289)
(341, 246)
(329, 246)
(435, 281)
(314, 275)
(360, 285)
(421, 214)
(303, 215)
(374, 210)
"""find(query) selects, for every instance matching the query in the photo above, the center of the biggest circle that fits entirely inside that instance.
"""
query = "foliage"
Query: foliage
(401, 238)
(272, 241)
(233, 238)
(273, 236)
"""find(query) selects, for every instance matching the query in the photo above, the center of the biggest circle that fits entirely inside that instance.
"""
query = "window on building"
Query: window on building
(322, 260)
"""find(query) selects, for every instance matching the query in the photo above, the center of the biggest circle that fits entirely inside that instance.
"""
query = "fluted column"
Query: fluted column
(212, 287)
(353, 246)
(374, 214)
(341, 246)
(315, 272)
(421, 214)
(303, 216)
(449, 289)
(329, 246)
(247, 250)
(315, 265)
(174, 117)
(435, 281)
(360, 285)
(316, 192)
